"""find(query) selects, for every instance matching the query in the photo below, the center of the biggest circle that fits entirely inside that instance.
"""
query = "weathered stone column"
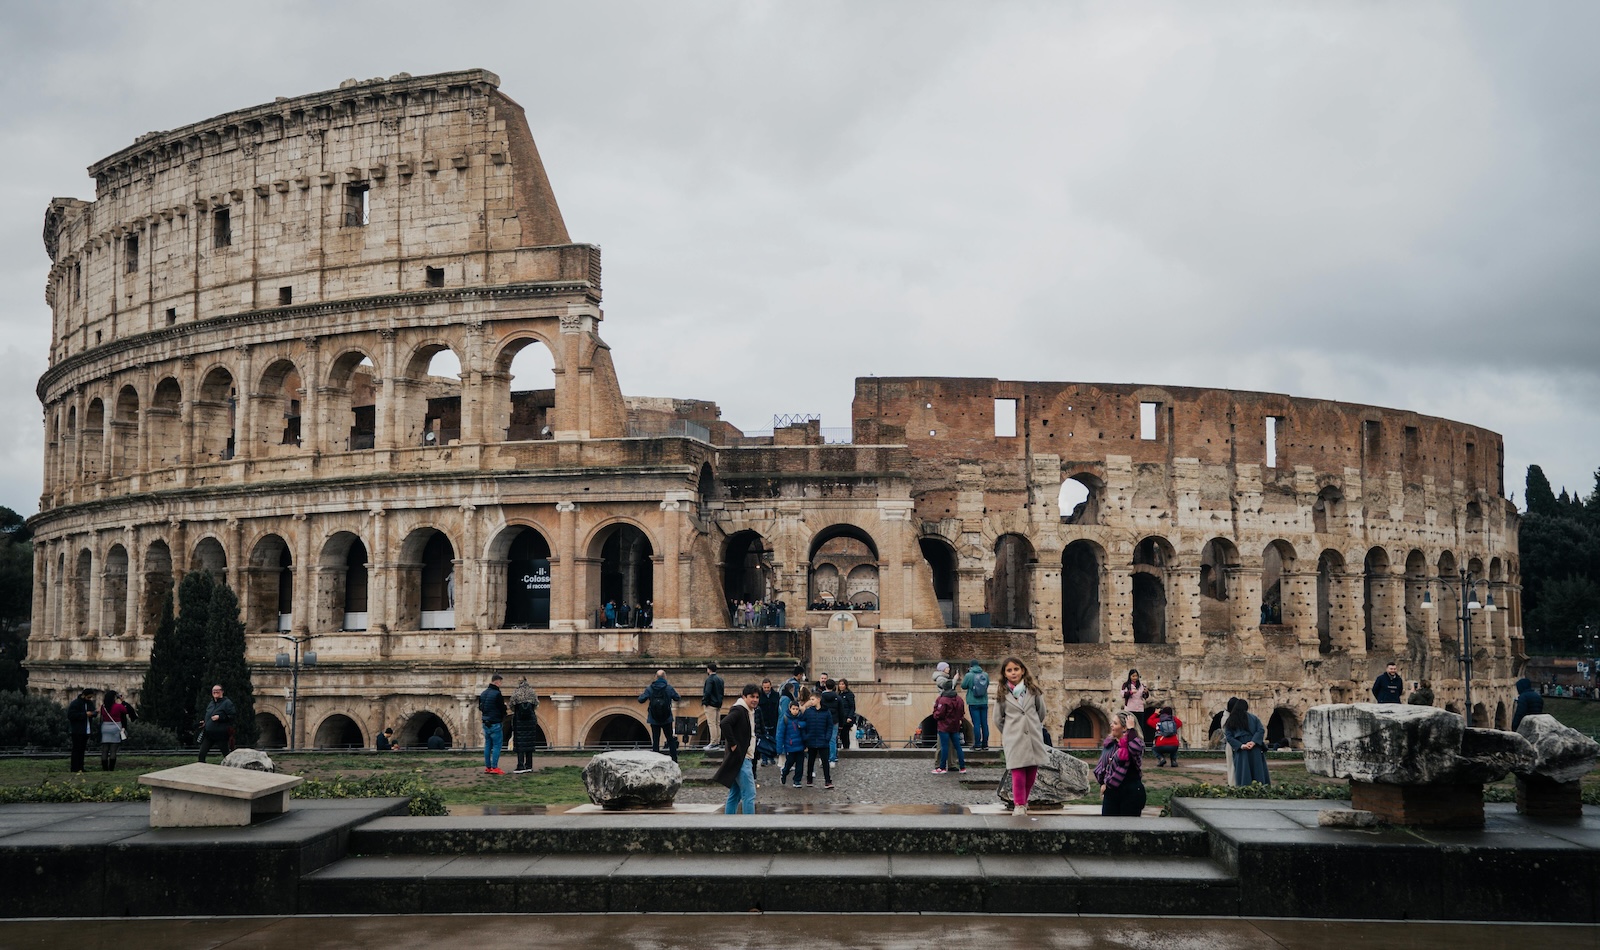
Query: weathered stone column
(1116, 614)
(563, 727)
(1183, 610)
(379, 573)
(305, 582)
(671, 611)
(467, 566)
(1244, 590)
(384, 420)
(1388, 617)
(566, 580)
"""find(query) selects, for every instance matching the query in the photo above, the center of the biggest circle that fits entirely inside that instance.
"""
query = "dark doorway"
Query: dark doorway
(941, 558)
(528, 581)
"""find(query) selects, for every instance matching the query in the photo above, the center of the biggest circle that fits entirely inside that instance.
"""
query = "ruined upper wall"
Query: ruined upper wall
(954, 420)
(378, 187)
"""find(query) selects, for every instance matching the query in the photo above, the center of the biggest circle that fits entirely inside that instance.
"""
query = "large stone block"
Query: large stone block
(1488, 754)
(1561, 754)
(617, 780)
(1385, 743)
(1062, 779)
(248, 759)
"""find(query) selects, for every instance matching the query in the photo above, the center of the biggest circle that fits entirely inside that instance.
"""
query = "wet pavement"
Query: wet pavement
(816, 931)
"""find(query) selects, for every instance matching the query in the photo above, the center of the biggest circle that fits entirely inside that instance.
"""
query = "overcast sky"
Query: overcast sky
(1395, 204)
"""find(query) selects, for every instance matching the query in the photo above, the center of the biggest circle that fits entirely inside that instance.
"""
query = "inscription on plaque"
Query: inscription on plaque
(844, 650)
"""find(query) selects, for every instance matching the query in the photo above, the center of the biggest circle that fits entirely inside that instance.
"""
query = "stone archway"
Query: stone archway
(617, 731)
(338, 731)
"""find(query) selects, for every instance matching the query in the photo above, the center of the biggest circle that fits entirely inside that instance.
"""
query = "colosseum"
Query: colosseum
(340, 351)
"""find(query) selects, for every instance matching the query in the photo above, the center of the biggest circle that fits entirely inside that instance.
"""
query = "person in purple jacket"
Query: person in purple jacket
(1120, 769)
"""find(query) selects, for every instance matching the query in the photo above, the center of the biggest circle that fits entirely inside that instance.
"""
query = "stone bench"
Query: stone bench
(199, 795)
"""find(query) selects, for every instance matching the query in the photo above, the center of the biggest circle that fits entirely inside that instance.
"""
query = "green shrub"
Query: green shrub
(425, 799)
(28, 721)
(75, 791)
(1255, 790)
(147, 736)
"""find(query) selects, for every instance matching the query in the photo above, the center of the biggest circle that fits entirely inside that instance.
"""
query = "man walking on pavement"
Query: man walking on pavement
(737, 771)
(767, 719)
(660, 696)
(711, 701)
(492, 707)
(218, 723)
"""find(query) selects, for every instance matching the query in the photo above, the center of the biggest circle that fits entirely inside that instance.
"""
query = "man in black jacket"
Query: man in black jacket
(80, 722)
(492, 709)
(1529, 702)
(1389, 687)
(737, 771)
(711, 701)
(217, 728)
(847, 712)
(658, 713)
(829, 700)
(767, 718)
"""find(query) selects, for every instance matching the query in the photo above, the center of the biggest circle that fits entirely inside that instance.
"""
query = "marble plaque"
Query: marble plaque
(844, 653)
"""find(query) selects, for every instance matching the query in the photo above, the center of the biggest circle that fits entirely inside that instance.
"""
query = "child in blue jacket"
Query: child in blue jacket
(791, 743)
(816, 725)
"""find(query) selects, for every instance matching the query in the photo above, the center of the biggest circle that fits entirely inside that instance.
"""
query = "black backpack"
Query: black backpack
(660, 706)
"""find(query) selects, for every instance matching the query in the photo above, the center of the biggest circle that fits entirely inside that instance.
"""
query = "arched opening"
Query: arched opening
(836, 551)
(270, 732)
(350, 406)
(528, 580)
(1079, 499)
(338, 732)
(1374, 594)
(1448, 606)
(618, 731)
(157, 585)
(82, 578)
(115, 592)
(746, 572)
(1082, 563)
(278, 407)
(861, 587)
(1283, 729)
(626, 562)
(1416, 584)
(1084, 728)
(125, 432)
(1277, 559)
(429, 576)
(927, 735)
(1329, 566)
(1474, 518)
(1011, 588)
(164, 422)
(941, 558)
(420, 727)
(93, 444)
(1327, 514)
(342, 583)
(1219, 563)
(269, 587)
(430, 397)
(528, 412)
(1151, 561)
(209, 556)
(215, 417)
(1480, 716)
(1500, 716)
(68, 466)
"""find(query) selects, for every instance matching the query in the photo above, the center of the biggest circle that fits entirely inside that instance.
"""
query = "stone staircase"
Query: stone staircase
(815, 863)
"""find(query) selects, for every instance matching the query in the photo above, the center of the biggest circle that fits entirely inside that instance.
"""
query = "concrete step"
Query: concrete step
(821, 883)
(630, 834)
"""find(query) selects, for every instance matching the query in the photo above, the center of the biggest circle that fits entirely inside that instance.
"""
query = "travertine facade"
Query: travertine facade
(244, 324)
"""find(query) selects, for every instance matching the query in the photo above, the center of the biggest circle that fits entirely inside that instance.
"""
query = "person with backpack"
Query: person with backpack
(660, 696)
(948, 711)
(711, 692)
(1166, 724)
(976, 683)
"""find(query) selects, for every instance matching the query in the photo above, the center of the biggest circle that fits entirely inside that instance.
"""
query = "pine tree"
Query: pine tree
(183, 666)
(225, 663)
(1541, 500)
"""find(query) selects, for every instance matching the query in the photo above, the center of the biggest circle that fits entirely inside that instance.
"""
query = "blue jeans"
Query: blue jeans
(492, 744)
(833, 743)
(742, 796)
(980, 726)
(951, 741)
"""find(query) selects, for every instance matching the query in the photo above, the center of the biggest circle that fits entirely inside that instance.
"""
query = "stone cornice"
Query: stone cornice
(194, 138)
(127, 344)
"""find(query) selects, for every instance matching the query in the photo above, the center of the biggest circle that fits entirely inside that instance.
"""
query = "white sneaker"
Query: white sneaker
(1021, 811)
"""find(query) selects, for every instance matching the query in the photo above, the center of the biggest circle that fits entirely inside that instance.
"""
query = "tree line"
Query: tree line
(1560, 550)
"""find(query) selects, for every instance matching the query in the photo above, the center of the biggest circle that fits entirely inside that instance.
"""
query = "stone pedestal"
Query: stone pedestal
(1542, 798)
(1420, 806)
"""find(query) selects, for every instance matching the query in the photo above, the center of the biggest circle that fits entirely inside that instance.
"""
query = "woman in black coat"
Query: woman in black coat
(524, 724)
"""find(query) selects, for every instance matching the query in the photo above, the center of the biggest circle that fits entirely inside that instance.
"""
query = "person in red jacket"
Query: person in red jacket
(948, 711)
(1165, 724)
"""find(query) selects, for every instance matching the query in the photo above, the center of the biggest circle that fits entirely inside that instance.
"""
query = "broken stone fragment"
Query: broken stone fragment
(1346, 818)
(1390, 744)
(1561, 753)
(618, 780)
(1488, 754)
(248, 759)
(1062, 779)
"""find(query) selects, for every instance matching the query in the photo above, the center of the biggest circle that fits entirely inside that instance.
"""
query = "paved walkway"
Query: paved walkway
(816, 932)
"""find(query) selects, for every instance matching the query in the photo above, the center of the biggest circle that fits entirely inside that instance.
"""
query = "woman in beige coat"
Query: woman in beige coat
(1021, 722)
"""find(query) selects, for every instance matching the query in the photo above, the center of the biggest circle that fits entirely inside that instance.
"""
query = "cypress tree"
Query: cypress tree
(1541, 500)
(155, 696)
(225, 663)
(188, 660)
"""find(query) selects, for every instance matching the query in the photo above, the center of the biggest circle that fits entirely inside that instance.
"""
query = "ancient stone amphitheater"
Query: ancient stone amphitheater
(340, 351)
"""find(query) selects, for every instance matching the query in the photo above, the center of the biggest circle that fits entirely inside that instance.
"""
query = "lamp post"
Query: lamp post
(1465, 606)
(1589, 639)
(285, 659)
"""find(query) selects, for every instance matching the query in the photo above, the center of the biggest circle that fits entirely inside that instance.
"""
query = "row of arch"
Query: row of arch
(280, 412)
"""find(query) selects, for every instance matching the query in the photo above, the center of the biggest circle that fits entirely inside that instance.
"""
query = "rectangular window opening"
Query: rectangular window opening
(130, 251)
(77, 281)
(285, 296)
(356, 205)
(1005, 418)
(221, 228)
(436, 277)
(1272, 442)
(1372, 440)
(1147, 420)
(1411, 443)
(172, 315)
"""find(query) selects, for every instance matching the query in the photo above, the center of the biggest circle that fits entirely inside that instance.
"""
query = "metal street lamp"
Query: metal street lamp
(1466, 604)
(284, 660)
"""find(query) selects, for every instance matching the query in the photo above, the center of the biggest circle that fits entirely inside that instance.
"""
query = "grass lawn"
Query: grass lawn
(1581, 714)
